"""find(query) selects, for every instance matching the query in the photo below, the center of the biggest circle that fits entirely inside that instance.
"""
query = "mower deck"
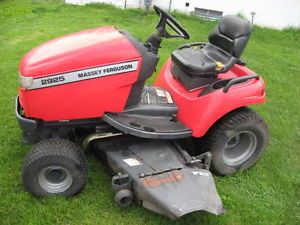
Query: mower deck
(160, 177)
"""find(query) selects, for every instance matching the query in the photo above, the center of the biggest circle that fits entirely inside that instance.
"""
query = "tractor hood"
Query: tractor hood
(85, 49)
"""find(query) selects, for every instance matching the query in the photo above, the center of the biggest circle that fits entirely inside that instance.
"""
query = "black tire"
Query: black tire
(124, 198)
(237, 141)
(55, 167)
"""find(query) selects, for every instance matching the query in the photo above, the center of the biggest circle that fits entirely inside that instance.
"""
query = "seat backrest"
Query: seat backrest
(231, 35)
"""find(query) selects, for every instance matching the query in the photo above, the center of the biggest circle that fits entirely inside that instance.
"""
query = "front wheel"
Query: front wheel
(236, 142)
(55, 167)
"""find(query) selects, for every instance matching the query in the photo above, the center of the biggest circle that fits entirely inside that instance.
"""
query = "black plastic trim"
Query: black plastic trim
(239, 80)
(35, 130)
(226, 84)
(148, 65)
(27, 125)
(153, 109)
(200, 44)
(146, 134)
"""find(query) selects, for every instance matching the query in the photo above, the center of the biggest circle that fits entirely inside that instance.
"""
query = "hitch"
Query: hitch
(201, 161)
(204, 159)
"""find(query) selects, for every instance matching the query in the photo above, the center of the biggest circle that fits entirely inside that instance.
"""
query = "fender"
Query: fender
(200, 113)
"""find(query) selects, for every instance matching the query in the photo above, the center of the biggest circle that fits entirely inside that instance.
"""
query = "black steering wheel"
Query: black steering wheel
(167, 19)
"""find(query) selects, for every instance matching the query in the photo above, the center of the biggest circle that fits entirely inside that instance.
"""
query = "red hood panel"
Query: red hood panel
(88, 48)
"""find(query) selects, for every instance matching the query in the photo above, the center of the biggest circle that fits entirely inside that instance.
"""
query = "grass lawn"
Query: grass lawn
(269, 193)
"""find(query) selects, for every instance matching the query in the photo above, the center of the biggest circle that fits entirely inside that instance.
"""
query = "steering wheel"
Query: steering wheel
(167, 19)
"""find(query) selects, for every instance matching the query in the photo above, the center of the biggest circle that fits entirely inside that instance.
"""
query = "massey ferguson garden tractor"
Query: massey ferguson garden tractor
(86, 91)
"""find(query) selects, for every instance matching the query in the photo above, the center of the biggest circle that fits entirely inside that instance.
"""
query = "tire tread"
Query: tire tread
(55, 147)
(215, 135)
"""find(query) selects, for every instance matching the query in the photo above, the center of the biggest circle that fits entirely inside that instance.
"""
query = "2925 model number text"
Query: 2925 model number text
(52, 80)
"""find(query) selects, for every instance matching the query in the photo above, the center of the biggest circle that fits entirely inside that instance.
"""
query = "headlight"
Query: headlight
(25, 82)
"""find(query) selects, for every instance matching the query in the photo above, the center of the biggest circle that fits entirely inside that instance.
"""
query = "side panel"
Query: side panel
(79, 100)
(199, 113)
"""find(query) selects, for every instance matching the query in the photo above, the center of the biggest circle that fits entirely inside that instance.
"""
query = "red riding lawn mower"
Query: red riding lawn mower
(87, 91)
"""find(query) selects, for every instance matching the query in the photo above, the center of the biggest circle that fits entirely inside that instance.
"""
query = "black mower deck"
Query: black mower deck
(154, 117)
(159, 177)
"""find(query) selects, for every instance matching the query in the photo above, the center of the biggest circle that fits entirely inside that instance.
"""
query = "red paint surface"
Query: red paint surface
(92, 98)
(200, 113)
(85, 99)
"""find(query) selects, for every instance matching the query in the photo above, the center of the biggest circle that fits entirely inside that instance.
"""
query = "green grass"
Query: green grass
(266, 194)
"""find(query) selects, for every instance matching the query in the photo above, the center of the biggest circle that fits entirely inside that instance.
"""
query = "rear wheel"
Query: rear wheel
(55, 166)
(237, 141)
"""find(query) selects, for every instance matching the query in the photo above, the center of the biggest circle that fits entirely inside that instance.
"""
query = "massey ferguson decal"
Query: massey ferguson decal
(86, 74)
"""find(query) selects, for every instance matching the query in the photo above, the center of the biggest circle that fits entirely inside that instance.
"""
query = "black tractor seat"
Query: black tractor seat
(204, 61)
(198, 64)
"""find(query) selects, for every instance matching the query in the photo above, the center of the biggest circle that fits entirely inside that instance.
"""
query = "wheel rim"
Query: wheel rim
(239, 148)
(55, 179)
